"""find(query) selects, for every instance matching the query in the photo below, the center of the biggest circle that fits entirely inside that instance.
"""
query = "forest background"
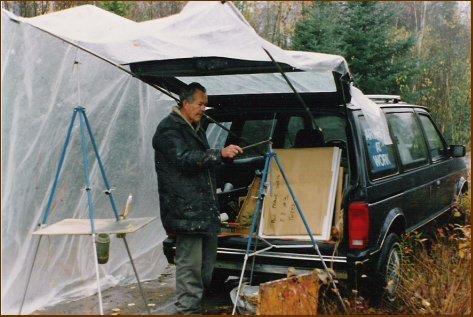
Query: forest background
(420, 50)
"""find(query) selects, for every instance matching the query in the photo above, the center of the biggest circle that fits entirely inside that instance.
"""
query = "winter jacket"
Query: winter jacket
(185, 167)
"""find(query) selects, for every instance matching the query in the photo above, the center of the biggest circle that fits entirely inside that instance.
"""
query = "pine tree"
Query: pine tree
(366, 34)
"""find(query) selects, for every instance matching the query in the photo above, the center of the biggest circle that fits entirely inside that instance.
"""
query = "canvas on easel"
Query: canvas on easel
(313, 173)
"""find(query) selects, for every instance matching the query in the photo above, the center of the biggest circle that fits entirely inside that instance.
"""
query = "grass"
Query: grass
(435, 278)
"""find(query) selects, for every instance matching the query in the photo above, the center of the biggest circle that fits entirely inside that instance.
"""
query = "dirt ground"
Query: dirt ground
(127, 300)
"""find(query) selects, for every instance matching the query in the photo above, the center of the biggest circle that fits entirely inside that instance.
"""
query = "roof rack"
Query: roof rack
(385, 98)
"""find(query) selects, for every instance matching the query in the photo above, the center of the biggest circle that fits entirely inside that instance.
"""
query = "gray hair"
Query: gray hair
(188, 92)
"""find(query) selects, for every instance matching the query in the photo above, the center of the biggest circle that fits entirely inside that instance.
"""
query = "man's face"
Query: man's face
(193, 110)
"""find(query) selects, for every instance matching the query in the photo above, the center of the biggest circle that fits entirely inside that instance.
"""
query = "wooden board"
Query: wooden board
(296, 295)
(313, 176)
(338, 205)
(83, 226)
(247, 211)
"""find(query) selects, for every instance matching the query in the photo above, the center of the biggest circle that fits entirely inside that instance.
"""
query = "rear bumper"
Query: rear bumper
(275, 259)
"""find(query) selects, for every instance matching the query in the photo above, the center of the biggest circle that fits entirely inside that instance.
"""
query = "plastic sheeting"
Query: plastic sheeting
(40, 87)
(375, 117)
(264, 83)
(201, 29)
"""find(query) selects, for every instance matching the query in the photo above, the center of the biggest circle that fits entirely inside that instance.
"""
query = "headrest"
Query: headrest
(309, 138)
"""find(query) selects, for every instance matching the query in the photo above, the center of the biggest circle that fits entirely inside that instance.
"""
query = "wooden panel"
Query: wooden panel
(313, 175)
(296, 295)
(338, 207)
(83, 226)
(247, 211)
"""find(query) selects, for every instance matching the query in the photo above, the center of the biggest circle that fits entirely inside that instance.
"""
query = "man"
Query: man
(187, 194)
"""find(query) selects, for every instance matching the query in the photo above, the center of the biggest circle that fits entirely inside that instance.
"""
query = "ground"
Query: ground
(126, 300)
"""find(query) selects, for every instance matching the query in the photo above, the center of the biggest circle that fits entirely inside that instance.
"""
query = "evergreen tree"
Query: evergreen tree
(118, 7)
(365, 33)
(319, 31)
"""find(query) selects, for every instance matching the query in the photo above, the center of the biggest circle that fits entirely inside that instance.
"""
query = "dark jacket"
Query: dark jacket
(186, 177)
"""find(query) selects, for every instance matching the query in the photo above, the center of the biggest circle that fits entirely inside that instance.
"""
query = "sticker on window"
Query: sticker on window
(378, 153)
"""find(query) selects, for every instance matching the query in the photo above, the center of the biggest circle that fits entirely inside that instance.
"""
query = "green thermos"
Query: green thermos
(103, 247)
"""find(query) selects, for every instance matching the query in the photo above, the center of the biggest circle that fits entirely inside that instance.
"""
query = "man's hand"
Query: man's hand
(231, 151)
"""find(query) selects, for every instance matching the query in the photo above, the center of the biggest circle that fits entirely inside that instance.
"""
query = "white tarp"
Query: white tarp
(201, 29)
(40, 88)
(375, 117)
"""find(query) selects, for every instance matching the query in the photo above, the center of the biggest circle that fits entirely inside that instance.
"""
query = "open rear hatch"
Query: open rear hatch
(244, 83)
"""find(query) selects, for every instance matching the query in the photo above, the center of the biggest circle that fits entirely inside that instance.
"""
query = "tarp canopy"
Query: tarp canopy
(209, 29)
(82, 56)
(205, 39)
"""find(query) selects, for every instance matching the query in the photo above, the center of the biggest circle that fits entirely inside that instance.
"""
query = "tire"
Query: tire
(464, 218)
(387, 276)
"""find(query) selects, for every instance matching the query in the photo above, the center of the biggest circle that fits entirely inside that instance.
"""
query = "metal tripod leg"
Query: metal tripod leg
(94, 248)
(253, 262)
(50, 200)
(112, 201)
(237, 296)
(59, 168)
(29, 276)
(253, 226)
(102, 169)
(89, 199)
(136, 274)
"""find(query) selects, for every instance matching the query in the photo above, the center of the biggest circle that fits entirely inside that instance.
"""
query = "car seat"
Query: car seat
(309, 138)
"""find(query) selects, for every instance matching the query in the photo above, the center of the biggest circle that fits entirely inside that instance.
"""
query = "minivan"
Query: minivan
(387, 189)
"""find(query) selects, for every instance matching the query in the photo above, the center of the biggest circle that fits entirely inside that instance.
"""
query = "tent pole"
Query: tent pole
(29, 275)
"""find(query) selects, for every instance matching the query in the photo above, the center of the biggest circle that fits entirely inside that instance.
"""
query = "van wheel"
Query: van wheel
(463, 218)
(388, 272)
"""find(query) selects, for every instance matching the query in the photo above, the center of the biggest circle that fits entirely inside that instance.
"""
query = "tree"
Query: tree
(366, 34)
(442, 79)
(318, 30)
(118, 7)
(273, 20)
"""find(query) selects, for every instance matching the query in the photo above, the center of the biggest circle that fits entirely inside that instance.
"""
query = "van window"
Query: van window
(381, 158)
(216, 135)
(257, 131)
(407, 136)
(437, 147)
(295, 124)
(332, 126)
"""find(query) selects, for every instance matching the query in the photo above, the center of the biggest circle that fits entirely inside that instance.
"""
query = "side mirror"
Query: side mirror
(457, 150)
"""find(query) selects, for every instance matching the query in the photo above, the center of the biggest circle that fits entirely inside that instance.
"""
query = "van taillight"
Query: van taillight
(358, 225)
